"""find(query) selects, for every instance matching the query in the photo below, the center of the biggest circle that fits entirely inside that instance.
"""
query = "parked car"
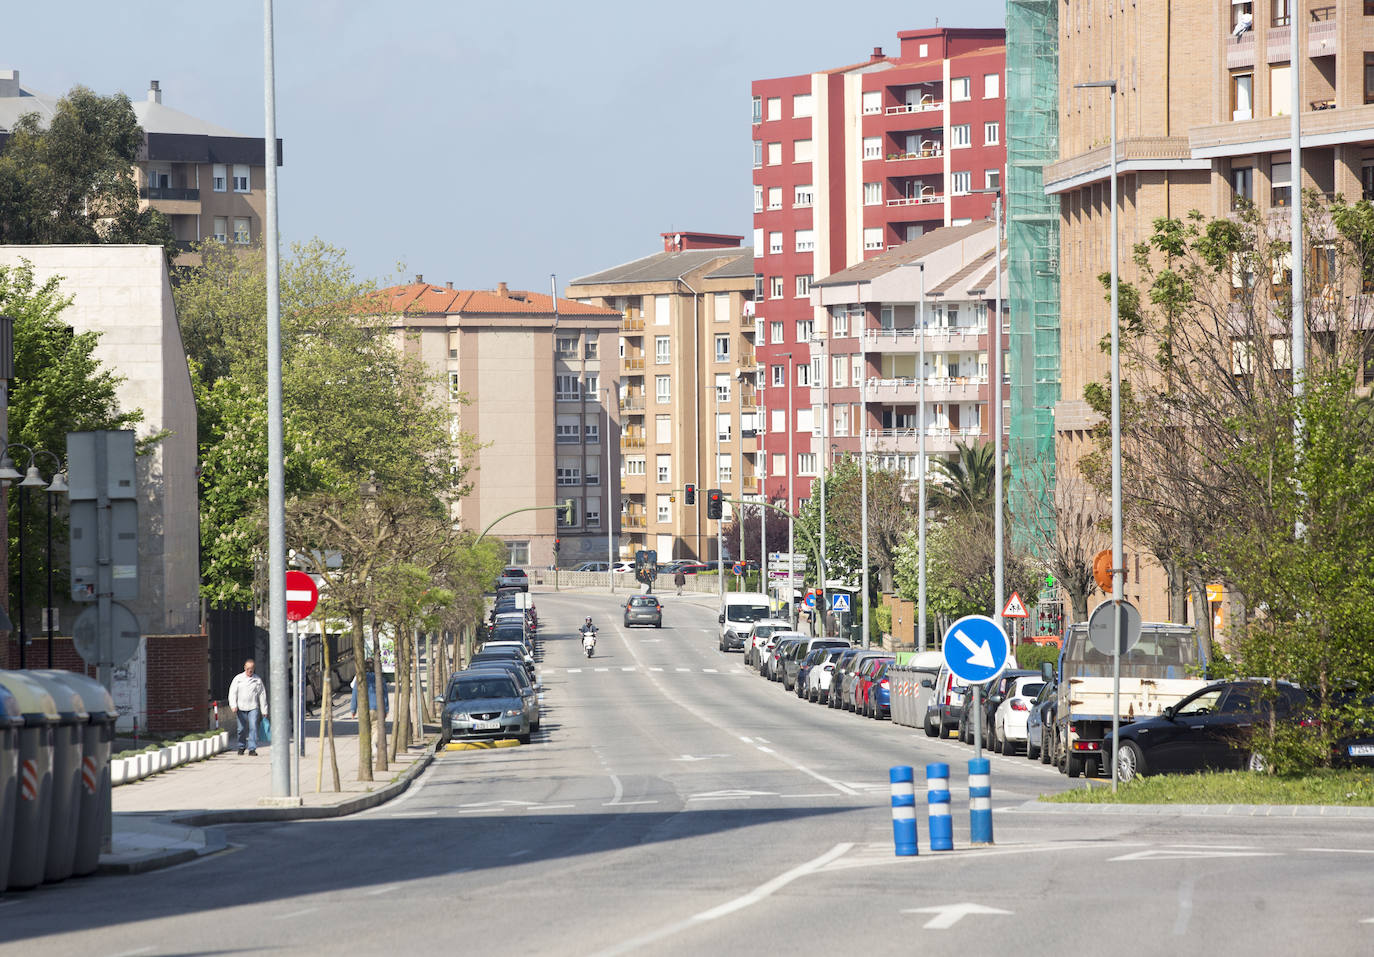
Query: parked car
(779, 654)
(505, 652)
(643, 610)
(592, 567)
(758, 637)
(486, 703)
(1208, 730)
(848, 675)
(738, 612)
(522, 678)
(994, 692)
(819, 677)
(1010, 719)
(942, 716)
(879, 701)
(1040, 722)
(812, 659)
(512, 577)
(865, 676)
(768, 654)
(805, 646)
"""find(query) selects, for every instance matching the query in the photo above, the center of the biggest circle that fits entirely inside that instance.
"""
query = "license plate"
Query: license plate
(486, 725)
(1362, 750)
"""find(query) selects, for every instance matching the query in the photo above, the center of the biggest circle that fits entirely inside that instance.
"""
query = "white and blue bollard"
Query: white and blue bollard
(904, 810)
(980, 802)
(937, 799)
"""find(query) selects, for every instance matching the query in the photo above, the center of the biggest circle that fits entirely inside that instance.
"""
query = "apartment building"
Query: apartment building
(533, 380)
(688, 387)
(851, 162)
(208, 181)
(1203, 115)
(867, 373)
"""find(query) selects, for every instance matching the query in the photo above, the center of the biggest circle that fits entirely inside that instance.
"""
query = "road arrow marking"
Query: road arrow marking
(980, 655)
(947, 915)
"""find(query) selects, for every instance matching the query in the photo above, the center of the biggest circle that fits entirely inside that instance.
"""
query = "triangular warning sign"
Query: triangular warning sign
(1015, 607)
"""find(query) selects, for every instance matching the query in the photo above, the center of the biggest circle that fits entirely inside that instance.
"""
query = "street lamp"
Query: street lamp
(788, 473)
(1118, 559)
(995, 373)
(29, 479)
(825, 465)
(57, 487)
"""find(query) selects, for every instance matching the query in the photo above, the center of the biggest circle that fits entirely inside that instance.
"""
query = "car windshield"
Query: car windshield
(477, 689)
(1029, 689)
(1204, 703)
(746, 612)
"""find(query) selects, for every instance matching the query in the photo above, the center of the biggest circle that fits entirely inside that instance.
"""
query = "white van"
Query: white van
(738, 612)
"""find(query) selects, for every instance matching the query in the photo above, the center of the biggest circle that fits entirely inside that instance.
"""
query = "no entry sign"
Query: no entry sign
(301, 596)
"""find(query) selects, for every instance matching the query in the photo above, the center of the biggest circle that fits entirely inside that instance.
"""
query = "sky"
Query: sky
(477, 142)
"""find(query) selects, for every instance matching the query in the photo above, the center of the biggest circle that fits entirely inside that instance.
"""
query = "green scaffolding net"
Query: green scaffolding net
(1033, 260)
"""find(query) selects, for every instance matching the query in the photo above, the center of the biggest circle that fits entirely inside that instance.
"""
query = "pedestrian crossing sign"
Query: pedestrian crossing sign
(839, 602)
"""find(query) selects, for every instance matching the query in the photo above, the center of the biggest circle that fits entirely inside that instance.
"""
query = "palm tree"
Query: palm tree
(964, 483)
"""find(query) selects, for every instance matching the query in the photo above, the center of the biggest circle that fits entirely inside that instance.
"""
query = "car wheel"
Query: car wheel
(1130, 762)
(931, 730)
(1031, 755)
(523, 738)
(658, 624)
(1073, 766)
(1257, 763)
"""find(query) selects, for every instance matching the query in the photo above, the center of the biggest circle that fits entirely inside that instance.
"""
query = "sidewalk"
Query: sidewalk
(162, 820)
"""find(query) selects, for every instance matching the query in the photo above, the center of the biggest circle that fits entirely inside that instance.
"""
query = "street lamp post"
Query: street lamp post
(995, 373)
(612, 394)
(1118, 558)
(825, 467)
(863, 462)
(57, 487)
(788, 472)
(29, 479)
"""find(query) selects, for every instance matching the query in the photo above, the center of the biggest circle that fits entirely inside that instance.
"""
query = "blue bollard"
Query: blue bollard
(904, 810)
(980, 801)
(937, 799)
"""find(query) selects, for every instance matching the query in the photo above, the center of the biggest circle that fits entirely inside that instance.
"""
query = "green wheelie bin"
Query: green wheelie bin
(32, 819)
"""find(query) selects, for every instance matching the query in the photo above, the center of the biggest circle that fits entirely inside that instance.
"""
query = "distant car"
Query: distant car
(486, 703)
(691, 568)
(994, 692)
(1010, 719)
(592, 567)
(1039, 719)
(512, 577)
(843, 696)
(781, 650)
(942, 714)
(879, 702)
(791, 665)
(758, 637)
(643, 610)
(865, 677)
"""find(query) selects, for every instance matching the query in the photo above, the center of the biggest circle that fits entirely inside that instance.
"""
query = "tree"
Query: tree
(890, 515)
(73, 181)
(751, 517)
(964, 483)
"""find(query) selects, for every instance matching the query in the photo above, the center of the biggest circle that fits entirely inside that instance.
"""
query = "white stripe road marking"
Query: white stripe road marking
(655, 669)
(573, 671)
(381, 890)
(682, 669)
(122, 953)
(710, 671)
(1336, 850)
(296, 913)
(628, 668)
(626, 803)
(602, 669)
(746, 740)
(547, 807)
(765, 750)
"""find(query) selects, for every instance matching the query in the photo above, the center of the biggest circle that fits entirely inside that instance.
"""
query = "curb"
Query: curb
(214, 842)
(257, 815)
(1302, 811)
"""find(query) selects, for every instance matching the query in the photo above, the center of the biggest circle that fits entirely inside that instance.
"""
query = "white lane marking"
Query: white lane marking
(381, 890)
(682, 669)
(418, 814)
(746, 740)
(122, 953)
(520, 853)
(547, 807)
(762, 740)
(1336, 850)
(619, 789)
(573, 671)
(481, 810)
(601, 669)
(729, 795)
(1177, 854)
(711, 671)
(823, 794)
(626, 803)
(765, 750)
(947, 915)
(296, 913)
(1185, 906)
(628, 668)
(655, 669)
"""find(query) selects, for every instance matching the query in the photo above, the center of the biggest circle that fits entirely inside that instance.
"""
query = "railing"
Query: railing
(748, 400)
(924, 153)
(746, 358)
(632, 364)
(1323, 13)
(168, 192)
(750, 483)
(631, 443)
(926, 104)
(629, 520)
(632, 403)
(945, 333)
(629, 324)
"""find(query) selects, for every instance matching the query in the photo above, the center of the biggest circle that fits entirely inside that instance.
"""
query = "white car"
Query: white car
(758, 637)
(818, 678)
(1009, 721)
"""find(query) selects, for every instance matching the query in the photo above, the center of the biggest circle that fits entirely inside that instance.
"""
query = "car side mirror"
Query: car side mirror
(1169, 713)
(721, 619)
(927, 683)
(439, 700)
(1047, 670)
(996, 699)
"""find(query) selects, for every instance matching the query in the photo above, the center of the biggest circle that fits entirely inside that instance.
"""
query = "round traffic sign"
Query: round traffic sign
(976, 649)
(301, 595)
(1100, 626)
(738, 568)
(122, 634)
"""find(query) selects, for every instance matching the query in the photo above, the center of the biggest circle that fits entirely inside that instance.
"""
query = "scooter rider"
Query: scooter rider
(588, 636)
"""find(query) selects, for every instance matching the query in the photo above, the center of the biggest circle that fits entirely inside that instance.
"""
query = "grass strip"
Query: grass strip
(1345, 787)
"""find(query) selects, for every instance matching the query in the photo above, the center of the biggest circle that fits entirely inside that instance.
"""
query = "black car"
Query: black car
(812, 659)
(1208, 730)
(994, 692)
(1040, 721)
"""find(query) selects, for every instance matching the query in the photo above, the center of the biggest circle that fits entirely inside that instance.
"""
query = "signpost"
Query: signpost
(1113, 629)
(839, 601)
(302, 595)
(976, 650)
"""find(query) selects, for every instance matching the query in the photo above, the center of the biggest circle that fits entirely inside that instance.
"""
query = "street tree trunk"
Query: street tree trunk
(364, 712)
(377, 676)
(400, 737)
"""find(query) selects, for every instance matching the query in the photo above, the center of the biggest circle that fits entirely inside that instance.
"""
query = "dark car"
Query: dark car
(871, 677)
(792, 663)
(507, 653)
(643, 610)
(837, 673)
(880, 695)
(1208, 730)
(522, 678)
(774, 664)
(486, 703)
(848, 676)
(994, 692)
(812, 659)
(1040, 720)
(512, 577)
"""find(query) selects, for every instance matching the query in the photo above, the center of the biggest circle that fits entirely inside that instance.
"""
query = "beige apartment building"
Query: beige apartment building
(1203, 115)
(533, 380)
(208, 181)
(688, 387)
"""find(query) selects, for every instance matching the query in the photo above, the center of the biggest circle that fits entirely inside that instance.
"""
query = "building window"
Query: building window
(774, 154)
(872, 102)
(774, 287)
(662, 347)
(805, 327)
(663, 388)
(1280, 182)
(592, 431)
(1242, 96)
(1242, 185)
(806, 240)
(774, 108)
(634, 466)
(241, 235)
(219, 177)
(663, 429)
(517, 553)
(593, 347)
(758, 154)
(1369, 77)
(779, 461)
(569, 475)
(873, 194)
(592, 511)
(774, 243)
(758, 251)
(992, 86)
(1283, 13)
(722, 387)
(758, 199)
(724, 468)
(873, 147)
(959, 88)
(960, 136)
(803, 374)
(566, 430)
(221, 229)
(240, 178)
(806, 463)
(722, 348)
(873, 235)
(803, 285)
(775, 328)
(758, 240)
(857, 371)
(454, 391)
(992, 134)
(775, 197)
(802, 105)
(720, 307)
(959, 184)
(839, 366)
(567, 347)
(723, 426)
(840, 323)
(842, 420)
(758, 109)
(663, 469)
(1280, 93)
(591, 384)
(565, 387)
(802, 151)
(803, 196)
(665, 510)
(1367, 180)
(778, 375)
(992, 179)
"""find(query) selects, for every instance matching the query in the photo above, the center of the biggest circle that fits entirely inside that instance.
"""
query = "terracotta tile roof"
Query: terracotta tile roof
(422, 297)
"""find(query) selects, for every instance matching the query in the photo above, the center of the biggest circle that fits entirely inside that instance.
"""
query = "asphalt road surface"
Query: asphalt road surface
(675, 803)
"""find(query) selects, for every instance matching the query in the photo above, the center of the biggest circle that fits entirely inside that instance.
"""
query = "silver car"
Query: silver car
(484, 704)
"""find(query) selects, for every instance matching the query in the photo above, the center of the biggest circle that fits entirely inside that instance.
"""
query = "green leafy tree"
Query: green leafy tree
(964, 483)
(73, 181)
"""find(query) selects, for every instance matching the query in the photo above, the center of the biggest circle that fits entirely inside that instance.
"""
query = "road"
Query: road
(675, 803)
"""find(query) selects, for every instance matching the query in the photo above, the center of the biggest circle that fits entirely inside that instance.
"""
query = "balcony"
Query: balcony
(944, 388)
(749, 483)
(748, 400)
(632, 364)
(631, 323)
(632, 403)
(960, 338)
(939, 440)
(746, 359)
(927, 197)
(632, 442)
(169, 192)
(934, 151)
(926, 105)
(634, 520)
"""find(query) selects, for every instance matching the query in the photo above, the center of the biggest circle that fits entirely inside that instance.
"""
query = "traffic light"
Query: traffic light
(690, 495)
(714, 501)
(555, 546)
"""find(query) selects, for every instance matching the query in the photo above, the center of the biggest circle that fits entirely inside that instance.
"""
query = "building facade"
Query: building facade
(848, 163)
(208, 181)
(688, 387)
(532, 380)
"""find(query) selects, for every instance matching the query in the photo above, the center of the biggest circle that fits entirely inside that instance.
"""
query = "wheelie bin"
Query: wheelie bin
(11, 723)
(68, 739)
(97, 742)
(32, 819)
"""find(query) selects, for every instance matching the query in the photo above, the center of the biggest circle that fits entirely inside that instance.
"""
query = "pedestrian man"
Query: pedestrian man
(679, 580)
(248, 700)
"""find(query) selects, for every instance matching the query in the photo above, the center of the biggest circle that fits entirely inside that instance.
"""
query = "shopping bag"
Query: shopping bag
(264, 731)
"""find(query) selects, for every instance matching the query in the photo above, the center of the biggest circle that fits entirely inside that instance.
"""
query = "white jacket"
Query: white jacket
(247, 692)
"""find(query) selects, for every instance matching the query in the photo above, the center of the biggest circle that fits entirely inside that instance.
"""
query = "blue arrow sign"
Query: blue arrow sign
(839, 602)
(976, 649)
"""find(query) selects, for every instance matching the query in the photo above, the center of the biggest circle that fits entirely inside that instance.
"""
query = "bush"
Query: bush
(1030, 655)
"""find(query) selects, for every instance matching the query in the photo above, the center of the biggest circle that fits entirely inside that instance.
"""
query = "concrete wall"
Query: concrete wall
(123, 293)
